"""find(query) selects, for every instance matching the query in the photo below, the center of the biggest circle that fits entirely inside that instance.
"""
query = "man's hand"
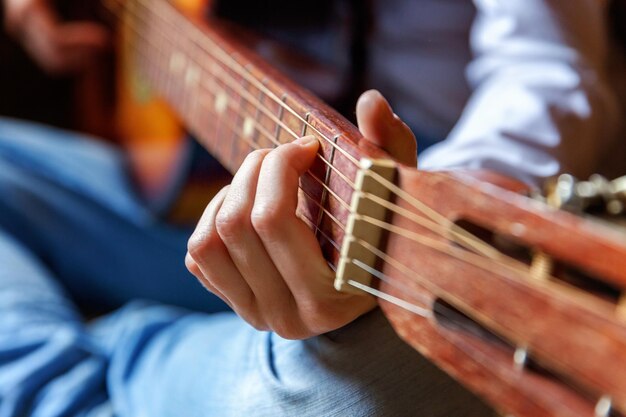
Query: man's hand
(58, 47)
(252, 251)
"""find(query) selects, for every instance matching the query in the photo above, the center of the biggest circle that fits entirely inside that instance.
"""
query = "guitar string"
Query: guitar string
(399, 285)
(440, 228)
(485, 249)
(422, 310)
(465, 238)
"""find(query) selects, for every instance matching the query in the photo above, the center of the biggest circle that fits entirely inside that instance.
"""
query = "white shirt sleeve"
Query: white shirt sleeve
(540, 103)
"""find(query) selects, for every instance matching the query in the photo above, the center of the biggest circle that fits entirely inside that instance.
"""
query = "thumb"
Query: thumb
(380, 126)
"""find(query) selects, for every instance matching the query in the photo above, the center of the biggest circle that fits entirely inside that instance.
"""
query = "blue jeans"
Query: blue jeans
(74, 238)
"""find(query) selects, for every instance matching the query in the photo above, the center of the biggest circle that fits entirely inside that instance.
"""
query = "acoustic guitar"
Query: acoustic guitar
(519, 301)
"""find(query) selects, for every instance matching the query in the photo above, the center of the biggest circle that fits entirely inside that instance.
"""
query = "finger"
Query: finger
(193, 267)
(381, 126)
(292, 245)
(246, 249)
(197, 243)
(285, 165)
(217, 269)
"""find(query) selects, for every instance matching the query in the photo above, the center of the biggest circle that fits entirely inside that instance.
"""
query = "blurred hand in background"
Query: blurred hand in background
(58, 47)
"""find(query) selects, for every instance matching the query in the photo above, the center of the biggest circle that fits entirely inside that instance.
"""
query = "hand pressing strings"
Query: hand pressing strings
(251, 249)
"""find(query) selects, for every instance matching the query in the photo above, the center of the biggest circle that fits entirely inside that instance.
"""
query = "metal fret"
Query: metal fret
(176, 95)
(305, 124)
(217, 110)
(238, 121)
(281, 111)
(255, 122)
(324, 198)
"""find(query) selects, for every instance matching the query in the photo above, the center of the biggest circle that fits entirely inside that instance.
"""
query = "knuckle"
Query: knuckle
(191, 264)
(231, 223)
(266, 218)
(275, 158)
(202, 243)
(257, 156)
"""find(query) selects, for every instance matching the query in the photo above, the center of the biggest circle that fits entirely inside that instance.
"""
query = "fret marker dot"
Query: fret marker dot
(177, 62)
(221, 102)
(192, 76)
(248, 126)
(520, 357)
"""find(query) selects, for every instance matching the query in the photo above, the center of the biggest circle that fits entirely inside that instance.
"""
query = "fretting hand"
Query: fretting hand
(251, 250)
(58, 47)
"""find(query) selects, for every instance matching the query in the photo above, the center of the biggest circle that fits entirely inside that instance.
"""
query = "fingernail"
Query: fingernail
(377, 102)
(368, 98)
(306, 140)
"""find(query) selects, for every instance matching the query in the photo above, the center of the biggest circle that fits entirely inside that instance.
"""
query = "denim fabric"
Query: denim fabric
(74, 237)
